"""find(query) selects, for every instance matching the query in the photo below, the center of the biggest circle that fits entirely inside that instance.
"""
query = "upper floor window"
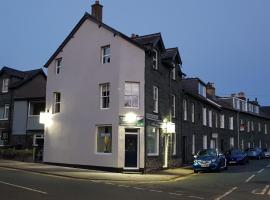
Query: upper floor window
(222, 121)
(252, 126)
(248, 126)
(35, 108)
(56, 102)
(257, 110)
(204, 116)
(106, 54)
(202, 90)
(174, 72)
(192, 112)
(185, 109)
(173, 142)
(104, 95)
(210, 120)
(155, 59)
(173, 106)
(6, 111)
(231, 123)
(216, 120)
(155, 98)
(132, 95)
(265, 129)
(259, 127)
(5, 83)
(58, 65)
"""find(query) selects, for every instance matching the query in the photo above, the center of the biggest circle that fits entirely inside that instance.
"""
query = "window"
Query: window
(216, 120)
(265, 129)
(242, 125)
(210, 121)
(106, 54)
(155, 98)
(259, 127)
(252, 126)
(242, 145)
(231, 142)
(104, 95)
(222, 121)
(173, 142)
(192, 112)
(202, 90)
(4, 135)
(173, 106)
(35, 108)
(57, 102)
(248, 126)
(173, 72)
(152, 141)
(132, 95)
(204, 117)
(231, 123)
(185, 109)
(193, 144)
(257, 110)
(260, 143)
(6, 111)
(58, 65)
(104, 139)
(205, 142)
(5, 83)
(155, 59)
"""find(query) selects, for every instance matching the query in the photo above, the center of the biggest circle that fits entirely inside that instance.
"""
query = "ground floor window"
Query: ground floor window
(205, 142)
(231, 142)
(104, 139)
(242, 145)
(193, 144)
(152, 141)
(173, 142)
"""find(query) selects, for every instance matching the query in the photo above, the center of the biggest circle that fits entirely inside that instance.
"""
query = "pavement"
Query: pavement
(95, 175)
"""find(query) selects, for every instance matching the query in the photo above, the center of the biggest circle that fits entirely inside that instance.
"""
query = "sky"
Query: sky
(226, 42)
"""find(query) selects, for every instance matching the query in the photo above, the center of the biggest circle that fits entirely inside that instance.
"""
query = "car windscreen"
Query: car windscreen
(207, 152)
(236, 152)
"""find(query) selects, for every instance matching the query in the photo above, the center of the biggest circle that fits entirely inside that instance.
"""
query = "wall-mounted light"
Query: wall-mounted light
(130, 118)
(45, 118)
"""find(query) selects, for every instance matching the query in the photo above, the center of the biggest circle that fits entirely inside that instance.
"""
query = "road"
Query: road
(251, 181)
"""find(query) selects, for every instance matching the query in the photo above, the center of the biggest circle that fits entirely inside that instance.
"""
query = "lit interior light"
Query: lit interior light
(130, 117)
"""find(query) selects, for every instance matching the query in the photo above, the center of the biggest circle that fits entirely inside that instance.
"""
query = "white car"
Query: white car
(266, 153)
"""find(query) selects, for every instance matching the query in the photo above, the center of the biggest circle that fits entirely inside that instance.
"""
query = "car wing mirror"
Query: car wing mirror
(195, 156)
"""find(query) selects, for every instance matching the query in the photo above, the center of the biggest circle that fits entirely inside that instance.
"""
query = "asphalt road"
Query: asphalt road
(251, 181)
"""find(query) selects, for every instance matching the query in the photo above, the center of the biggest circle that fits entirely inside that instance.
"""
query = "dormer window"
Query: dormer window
(202, 90)
(173, 72)
(155, 59)
(58, 65)
(5, 83)
(106, 54)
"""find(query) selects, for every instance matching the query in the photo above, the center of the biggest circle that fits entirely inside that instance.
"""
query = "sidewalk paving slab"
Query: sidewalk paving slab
(95, 175)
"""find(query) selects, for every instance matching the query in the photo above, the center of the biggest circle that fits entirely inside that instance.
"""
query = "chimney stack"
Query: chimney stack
(241, 95)
(97, 11)
(210, 89)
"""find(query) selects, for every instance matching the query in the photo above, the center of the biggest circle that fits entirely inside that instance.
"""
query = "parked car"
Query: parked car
(255, 153)
(266, 152)
(209, 160)
(236, 156)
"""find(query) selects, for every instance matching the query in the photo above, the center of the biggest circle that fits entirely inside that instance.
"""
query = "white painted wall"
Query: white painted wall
(71, 138)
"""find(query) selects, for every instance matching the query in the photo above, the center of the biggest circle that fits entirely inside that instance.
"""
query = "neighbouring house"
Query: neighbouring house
(22, 98)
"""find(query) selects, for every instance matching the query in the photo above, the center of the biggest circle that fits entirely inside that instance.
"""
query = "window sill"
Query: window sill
(152, 155)
(104, 108)
(103, 154)
(5, 119)
(132, 107)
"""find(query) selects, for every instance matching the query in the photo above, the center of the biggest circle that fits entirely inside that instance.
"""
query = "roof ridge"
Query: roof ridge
(149, 35)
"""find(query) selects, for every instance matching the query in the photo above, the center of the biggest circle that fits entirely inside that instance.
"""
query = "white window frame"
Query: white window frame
(173, 105)
(231, 123)
(222, 121)
(96, 149)
(5, 84)
(192, 112)
(155, 59)
(56, 102)
(185, 110)
(132, 94)
(103, 55)
(58, 67)
(210, 118)
(205, 145)
(157, 144)
(101, 87)
(155, 99)
(6, 112)
(204, 111)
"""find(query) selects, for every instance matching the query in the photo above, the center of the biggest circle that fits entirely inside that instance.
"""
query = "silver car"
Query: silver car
(266, 153)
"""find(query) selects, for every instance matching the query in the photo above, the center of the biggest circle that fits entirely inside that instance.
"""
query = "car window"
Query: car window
(208, 152)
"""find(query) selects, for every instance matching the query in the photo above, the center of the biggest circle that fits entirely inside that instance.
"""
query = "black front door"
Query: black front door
(131, 149)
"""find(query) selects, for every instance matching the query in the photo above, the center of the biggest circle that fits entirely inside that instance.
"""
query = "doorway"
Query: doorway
(131, 149)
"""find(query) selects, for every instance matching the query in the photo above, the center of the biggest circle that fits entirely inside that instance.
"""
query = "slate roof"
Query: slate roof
(172, 53)
(152, 39)
(24, 76)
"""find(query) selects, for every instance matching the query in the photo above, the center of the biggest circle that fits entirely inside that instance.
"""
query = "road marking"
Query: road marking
(25, 188)
(137, 188)
(262, 192)
(107, 183)
(226, 194)
(195, 197)
(156, 191)
(126, 186)
(172, 193)
(260, 171)
(251, 177)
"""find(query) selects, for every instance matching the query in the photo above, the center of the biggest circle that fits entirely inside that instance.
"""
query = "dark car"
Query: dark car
(255, 153)
(266, 152)
(209, 160)
(236, 156)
